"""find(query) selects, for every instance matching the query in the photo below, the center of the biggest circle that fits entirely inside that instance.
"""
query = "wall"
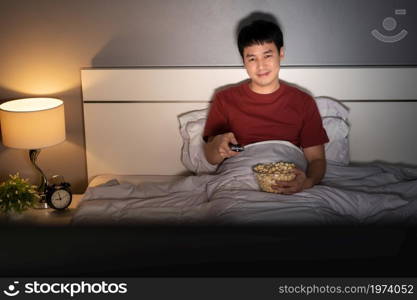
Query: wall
(45, 43)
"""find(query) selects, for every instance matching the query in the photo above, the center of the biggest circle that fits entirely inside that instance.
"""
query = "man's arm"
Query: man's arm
(217, 148)
(316, 168)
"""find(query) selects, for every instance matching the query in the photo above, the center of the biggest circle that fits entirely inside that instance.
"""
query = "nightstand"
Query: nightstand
(45, 217)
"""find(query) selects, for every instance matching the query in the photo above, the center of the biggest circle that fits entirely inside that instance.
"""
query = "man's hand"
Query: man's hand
(217, 148)
(299, 183)
(316, 168)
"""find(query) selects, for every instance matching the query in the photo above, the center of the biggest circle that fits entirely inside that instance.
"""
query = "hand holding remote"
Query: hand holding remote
(219, 148)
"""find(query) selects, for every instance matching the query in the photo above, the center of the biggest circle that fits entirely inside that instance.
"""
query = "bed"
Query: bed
(145, 163)
(157, 208)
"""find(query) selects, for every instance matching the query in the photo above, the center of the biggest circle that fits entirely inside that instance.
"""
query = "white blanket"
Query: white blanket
(368, 194)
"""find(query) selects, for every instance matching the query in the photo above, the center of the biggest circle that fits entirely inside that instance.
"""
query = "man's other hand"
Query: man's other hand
(300, 183)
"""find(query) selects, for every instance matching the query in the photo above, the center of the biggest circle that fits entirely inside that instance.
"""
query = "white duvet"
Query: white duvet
(367, 194)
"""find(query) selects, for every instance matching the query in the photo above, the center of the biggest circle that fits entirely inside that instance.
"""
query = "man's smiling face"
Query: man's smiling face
(262, 63)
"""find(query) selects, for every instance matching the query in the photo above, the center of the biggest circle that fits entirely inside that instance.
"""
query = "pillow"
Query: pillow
(335, 121)
(337, 149)
(192, 153)
(334, 116)
(331, 108)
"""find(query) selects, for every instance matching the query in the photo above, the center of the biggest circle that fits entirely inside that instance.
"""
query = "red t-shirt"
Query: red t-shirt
(287, 114)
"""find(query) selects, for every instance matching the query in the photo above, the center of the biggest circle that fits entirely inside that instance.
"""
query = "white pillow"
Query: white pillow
(329, 107)
(334, 117)
(337, 149)
(192, 153)
(335, 121)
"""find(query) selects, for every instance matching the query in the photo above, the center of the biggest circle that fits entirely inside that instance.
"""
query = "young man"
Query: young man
(266, 109)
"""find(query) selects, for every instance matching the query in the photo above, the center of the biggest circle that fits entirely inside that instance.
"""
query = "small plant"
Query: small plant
(16, 194)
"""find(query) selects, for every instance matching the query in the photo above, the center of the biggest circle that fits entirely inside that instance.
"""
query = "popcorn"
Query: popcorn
(268, 174)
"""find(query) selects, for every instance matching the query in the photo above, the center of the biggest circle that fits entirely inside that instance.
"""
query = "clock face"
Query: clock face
(61, 199)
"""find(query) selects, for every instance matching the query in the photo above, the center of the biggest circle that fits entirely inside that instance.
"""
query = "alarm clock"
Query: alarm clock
(59, 196)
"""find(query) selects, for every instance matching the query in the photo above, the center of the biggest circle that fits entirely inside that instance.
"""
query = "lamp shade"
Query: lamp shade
(32, 123)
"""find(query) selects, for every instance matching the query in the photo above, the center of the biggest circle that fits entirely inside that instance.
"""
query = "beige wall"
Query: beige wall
(43, 45)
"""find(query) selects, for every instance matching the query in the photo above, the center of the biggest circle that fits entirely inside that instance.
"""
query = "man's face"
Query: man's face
(262, 63)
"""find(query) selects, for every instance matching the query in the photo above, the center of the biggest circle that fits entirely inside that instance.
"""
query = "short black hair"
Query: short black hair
(259, 32)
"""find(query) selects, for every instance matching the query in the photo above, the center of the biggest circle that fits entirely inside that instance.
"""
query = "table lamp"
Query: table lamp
(33, 124)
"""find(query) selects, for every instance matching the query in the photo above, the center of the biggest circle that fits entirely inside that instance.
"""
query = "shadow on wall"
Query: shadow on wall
(118, 52)
(184, 46)
(142, 49)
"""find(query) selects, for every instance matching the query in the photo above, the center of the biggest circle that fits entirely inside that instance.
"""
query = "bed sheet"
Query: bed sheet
(374, 193)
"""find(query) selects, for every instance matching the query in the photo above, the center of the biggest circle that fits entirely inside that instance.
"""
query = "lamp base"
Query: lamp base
(41, 203)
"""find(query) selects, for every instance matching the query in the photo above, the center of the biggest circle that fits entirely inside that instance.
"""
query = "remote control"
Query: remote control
(236, 147)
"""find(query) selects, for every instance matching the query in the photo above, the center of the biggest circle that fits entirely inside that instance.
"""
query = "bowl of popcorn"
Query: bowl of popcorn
(267, 174)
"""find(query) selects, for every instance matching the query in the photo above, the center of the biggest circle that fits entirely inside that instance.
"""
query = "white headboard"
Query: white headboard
(131, 125)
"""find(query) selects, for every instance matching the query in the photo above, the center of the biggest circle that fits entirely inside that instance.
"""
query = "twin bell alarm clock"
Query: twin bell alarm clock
(58, 193)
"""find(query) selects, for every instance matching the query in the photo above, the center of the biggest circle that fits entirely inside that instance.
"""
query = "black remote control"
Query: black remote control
(236, 147)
